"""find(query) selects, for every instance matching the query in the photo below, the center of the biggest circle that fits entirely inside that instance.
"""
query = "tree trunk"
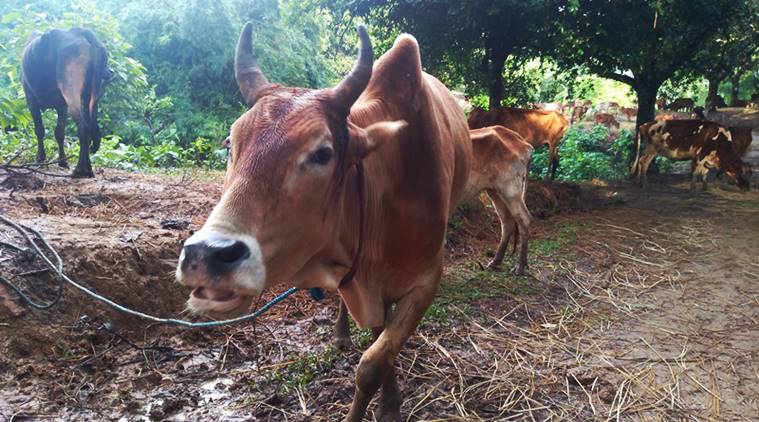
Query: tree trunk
(495, 78)
(646, 110)
(735, 80)
(711, 96)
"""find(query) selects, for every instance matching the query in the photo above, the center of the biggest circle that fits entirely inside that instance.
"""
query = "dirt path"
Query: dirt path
(639, 308)
(693, 340)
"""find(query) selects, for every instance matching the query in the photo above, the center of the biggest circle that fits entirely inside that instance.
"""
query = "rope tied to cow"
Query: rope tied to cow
(56, 266)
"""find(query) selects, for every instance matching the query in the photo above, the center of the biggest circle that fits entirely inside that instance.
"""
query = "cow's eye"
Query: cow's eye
(321, 156)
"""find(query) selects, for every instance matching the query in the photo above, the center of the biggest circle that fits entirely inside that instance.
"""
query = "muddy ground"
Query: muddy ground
(637, 306)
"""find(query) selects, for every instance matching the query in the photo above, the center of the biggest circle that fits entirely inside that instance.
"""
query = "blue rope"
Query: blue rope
(58, 269)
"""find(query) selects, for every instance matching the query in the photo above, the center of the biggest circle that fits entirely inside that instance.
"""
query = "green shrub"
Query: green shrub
(585, 155)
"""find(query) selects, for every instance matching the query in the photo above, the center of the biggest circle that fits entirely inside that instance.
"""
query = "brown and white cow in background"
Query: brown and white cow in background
(500, 167)
(708, 144)
(347, 188)
(538, 127)
(629, 112)
(577, 113)
(606, 119)
(682, 104)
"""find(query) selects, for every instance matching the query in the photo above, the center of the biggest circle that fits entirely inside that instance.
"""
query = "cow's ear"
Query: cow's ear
(365, 140)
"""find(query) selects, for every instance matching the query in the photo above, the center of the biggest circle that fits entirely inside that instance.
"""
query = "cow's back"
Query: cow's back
(538, 127)
(38, 67)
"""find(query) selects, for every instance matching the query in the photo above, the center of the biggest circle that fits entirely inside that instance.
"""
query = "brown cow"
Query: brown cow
(330, 188)
(577, 113)
(538, 127)
(606, 119)
(629, 112)
(501, 162)
(707, 144)
(685, 104)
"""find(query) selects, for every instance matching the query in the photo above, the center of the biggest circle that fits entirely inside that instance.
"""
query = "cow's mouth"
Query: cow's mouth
(216, 301)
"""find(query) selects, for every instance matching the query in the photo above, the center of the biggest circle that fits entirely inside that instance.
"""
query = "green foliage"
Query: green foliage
(177, 115)
(304, 369)
(585, 155)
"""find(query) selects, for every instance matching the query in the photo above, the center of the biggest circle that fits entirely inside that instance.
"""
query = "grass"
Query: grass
(467, 283)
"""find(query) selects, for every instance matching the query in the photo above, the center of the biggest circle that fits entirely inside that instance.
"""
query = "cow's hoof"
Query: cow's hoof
(41, 159)
(82, 174)
(63, 164)
(518, 269)
(342, 343)
(493, 266)
(389, 413)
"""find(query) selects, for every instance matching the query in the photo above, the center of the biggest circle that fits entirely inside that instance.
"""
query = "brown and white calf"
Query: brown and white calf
(347, 188)
(708, 144)
(500, 167)
(606, 119)
(538, 127)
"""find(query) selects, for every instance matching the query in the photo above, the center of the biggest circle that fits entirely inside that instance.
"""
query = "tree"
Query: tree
(641, 43)
(733, 51)
(468, 39)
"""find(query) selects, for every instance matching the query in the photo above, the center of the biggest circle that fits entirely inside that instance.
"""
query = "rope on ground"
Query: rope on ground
(57, 268)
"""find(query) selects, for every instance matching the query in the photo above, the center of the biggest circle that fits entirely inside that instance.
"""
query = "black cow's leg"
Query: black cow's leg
(60, 137)
(342, 329)
(83, 167)
(95, 130)
(39, 130)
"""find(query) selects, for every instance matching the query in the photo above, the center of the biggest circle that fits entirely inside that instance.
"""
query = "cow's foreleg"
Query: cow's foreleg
(39, 131)
(375, 368)
(83, 167)
(342, 338)
(60, 137)
(390, 400)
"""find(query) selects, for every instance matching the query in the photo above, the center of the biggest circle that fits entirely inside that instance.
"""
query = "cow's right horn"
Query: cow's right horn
(249, 77)
(348, 90)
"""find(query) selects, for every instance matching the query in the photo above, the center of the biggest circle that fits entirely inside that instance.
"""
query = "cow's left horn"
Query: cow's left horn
(348, 90)
(249, 77)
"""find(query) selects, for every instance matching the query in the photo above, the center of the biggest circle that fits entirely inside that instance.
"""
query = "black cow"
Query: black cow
(66, 70)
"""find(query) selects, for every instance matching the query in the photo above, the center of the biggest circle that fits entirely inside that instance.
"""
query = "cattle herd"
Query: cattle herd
(350, 188)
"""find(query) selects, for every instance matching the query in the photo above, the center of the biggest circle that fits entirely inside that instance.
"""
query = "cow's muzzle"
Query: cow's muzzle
(219, 256)
(225, 272)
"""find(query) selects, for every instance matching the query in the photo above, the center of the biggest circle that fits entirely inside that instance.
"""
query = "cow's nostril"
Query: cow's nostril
(232, 254)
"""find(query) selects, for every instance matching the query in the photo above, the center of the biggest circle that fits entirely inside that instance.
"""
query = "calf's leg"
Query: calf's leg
(507, 228)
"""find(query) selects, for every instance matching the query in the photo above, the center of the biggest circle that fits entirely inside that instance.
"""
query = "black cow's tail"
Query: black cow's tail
(96, 73)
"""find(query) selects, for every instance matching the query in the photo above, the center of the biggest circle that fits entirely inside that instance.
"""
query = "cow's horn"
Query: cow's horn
(347, 91)
(249, 77)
